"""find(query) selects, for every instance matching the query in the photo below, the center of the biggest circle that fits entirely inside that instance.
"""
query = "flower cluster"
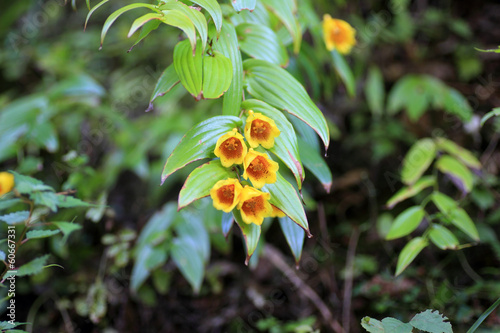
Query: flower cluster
(258, 168)
(6, 182)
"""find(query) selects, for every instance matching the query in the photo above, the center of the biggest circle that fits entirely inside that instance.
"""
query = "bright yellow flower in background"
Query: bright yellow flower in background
(338, 34)
(259, 168)
(254, 205)
(6, 182)
(225, 194)
(260, 129)
(231, 149)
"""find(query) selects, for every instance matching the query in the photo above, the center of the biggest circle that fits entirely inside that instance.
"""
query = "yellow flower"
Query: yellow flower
(277, 212)
(254, 205)
(338, 34)
(231, 148)
(260, 129)
(225, 194)
(259, 168)
(6, 182)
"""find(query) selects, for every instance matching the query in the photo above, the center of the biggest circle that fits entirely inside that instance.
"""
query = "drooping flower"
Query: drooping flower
(259, 168)
(277, 212)
(231, 149)
(6, 182)
(254, 205)
(338, 34)
(225, 194)
(260, 129)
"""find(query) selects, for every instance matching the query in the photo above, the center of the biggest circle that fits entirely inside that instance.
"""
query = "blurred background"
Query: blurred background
(74, 117)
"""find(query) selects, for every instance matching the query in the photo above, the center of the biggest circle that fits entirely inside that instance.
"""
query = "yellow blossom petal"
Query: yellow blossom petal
(260, 129)
(225, 194)
(259, 168)
(6, 182)
(254, 205)
(231, 149)
(338, 34)
(277, 212)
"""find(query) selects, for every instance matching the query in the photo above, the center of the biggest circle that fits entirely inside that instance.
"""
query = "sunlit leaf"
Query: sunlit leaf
(406, 222)
(431, 321)
(442, 237)
(285, 11)
(410, 191)
(493, 113)
(240, 5)
(417, 160)
(458, 152)
(213, 8)
(217, 75)
(460, 175)
(409, 253)
(33, 234)
(189, 67)
(294, 236)
(166, 82)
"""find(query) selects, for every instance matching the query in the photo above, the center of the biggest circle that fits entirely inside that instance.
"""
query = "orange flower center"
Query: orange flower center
(258, 168)
(260, 130)
(232, 148)
(253, 206)
(338, 35)
(226, 194)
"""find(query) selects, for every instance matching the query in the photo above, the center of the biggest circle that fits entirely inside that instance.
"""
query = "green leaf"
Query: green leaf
(315, 163)
(387, 325)
(27, 185)
(284, 196)
(261, 42)
(411, 93)
(285, 10)
(66, 201)
(285, 145)
(178, 19)
(145, 31)
(213, 8)
(44, 135)
(217, 75)
(251, 234)
(483, 316)
(372, 325)
(410, 191)
(196, 17)
(455, 103)
(285, 94)
(459, 174)
(489, 50)
(344, 71)
(32, 234)
(417, 160)
(442, 237)
(35, 266)
(409, 253)
(45, 198)
(148, 259)
(493, 113)
(166, 82)
(201, 180)
(139, 22)
(240, 5)
(189, 67)
(432, 322)
(444, 203)
(375, 91)
(227, 223)
(227, 44)
(193, 229)
(460, 219)
(66, 228)
(294, 236)
(6, 204)
(406, 222)
(199, 143)
(458, 152)
(158, 226)
(14, 218)
(92, 11)
(189, 261)
(112, 18)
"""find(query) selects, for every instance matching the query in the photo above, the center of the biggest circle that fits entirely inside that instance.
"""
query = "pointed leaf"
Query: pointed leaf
(442, 237)
(201, 180)
(227, 223)
(14, 218)
(240, 5)
(344, 72)
(315, 163)
(189, 67)
(213, 8)
(66, 201)
(139, 22)
(5, 204)
(35, 266)
(166, 82)
(459, 172)
(32, 234)
(444, 203)
(217, 75)
(410, 191)
(375, 91)
(178, 19)
(251, 234)
(286, 94)
(294, 236)
(285, 145)
(432, 322)
(493, 113)
(458, 152)
(406, 222)
(199, 143)
(261, 42)
(66, 228)
(285, 11)
(284, 196)
(92, 11)
(112, 18)
(417, 160)
(145, 31)
(227, 44)
(409, 253)
(462, 221)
